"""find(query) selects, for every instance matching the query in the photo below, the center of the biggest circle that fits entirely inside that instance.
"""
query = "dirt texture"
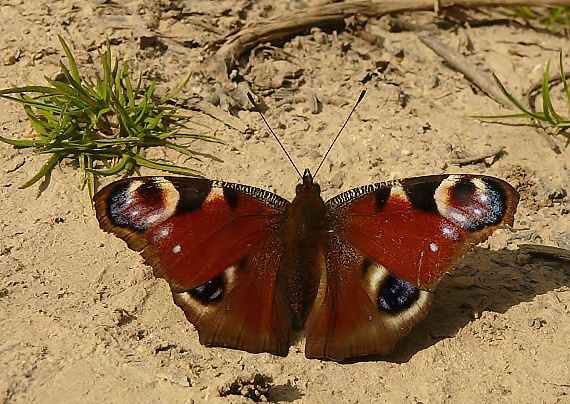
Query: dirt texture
(83, 319)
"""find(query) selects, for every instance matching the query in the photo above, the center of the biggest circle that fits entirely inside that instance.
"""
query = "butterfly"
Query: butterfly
(357, 272)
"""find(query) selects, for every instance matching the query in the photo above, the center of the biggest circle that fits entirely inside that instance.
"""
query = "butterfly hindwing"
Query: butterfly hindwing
(388, 247)
(361, 309)
(217, 245)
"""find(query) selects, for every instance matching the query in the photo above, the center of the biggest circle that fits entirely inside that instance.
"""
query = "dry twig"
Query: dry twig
(470, 160)
(335, 13)
(221, 115)
(469, 70)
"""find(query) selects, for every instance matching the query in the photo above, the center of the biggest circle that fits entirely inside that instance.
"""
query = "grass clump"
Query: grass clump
(549, 119)
(106, 123)
(554, 19)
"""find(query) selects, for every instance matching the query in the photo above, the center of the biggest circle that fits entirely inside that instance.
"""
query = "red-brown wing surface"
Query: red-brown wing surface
(389, 245)
(217, 246)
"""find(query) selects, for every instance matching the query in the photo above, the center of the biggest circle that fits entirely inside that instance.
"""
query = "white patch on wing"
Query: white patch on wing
(215, 193)
(449, 232)
(482, 207)
(130, 191)
(445, 206)
(399, 192)
(161, 232)
(483, 198)
(120, 203)
(480, 185)
(170, 198)
(406, 319)
(230, 275)
(176, 249)
(414, 309)
(456, 216)
(128, 208)
(166, 210)
(376, 275)
(157, 217)
(190, 305)
(433, 247)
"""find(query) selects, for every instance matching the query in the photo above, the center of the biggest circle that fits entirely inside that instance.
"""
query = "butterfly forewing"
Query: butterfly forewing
(417, 227)
(216, 244)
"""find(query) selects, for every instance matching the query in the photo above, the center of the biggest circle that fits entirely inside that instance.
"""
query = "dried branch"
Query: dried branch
(330, 14)
(460, 63)
(494, 153)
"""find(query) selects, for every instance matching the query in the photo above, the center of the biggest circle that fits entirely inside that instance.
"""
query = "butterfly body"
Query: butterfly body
(355, 272)
(303, 231)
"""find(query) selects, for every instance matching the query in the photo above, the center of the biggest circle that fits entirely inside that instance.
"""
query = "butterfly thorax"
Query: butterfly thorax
(304, 234)
(307, 211)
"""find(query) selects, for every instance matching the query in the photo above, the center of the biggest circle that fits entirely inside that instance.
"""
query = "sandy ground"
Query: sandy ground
(82, 318)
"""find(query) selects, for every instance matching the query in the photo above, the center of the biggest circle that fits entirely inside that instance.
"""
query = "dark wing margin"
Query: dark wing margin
(216, 244)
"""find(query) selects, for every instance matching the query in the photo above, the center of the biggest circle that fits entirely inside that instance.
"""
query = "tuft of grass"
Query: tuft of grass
(549, 119)
(104, 124)
(553, 19)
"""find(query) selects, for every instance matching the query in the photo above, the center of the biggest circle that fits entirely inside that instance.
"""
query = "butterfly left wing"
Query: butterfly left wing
(217, 245)
(388, 246)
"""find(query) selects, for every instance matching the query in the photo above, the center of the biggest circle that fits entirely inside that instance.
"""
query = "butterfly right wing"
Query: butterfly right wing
(388, 246)
(217, 245)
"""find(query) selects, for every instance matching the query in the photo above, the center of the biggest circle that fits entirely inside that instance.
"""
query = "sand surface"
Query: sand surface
(83, 319)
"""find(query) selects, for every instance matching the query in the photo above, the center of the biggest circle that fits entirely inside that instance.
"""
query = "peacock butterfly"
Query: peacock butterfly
(356, 272)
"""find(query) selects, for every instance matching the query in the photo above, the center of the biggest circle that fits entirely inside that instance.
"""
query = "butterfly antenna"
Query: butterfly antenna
(250, 97)
(360, 97)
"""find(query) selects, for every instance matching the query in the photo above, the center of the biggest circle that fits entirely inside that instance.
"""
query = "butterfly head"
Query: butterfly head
(308, 186)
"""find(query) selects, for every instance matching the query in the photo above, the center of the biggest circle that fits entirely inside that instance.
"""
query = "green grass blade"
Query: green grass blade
(69, 55)
(211, 139)
(151, 123)
(21, 143)
(164, 167)
(114, 170)
(179, 149)
(46, 168)
(29, 89)
(177, 90)
(80, 91)
(550, 114)
(128, 86)
(514, 101)
(36, 123)
(93, 120)
(564, 81)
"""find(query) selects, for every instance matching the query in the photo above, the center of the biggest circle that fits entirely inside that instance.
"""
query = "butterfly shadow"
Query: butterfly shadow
(483, 281)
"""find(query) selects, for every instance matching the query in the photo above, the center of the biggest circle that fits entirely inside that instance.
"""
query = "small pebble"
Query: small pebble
(523, 259)
(11, 59)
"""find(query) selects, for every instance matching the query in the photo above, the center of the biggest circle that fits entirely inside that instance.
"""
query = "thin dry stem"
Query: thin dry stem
(330, 14)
